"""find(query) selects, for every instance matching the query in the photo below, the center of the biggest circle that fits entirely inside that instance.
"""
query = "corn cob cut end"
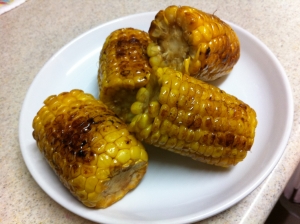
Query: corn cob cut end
(193, 118)
(193, 42)
(89, 148)
(124, 68)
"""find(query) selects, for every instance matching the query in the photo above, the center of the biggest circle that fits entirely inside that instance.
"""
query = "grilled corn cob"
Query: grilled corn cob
(193, 42)
(190, 117)
(124, 68)
(89, 148)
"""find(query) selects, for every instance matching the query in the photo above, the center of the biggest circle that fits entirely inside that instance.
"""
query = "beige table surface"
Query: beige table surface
(33, 32)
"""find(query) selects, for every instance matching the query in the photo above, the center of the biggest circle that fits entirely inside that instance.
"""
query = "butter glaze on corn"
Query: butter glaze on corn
(124, 68)
(190, 117)
(193, 42)
(89, 148)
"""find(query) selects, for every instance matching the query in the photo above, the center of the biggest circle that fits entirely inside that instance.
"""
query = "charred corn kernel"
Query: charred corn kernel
(89, 148)
(209, 125)
(98, 146)
(88, 171)
(124, 69)
(194, 42)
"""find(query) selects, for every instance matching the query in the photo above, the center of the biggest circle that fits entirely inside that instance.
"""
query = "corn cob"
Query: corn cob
(124, 68)
(193, 42)
(188, 116)
(89, 148)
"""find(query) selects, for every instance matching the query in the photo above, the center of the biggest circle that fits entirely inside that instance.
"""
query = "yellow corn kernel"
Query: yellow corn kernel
(104, 161)
(80, 140)
(173, 97)
(165, 127)
(90, 184)
(102, 174)
(153, 109)
(154, 138)
(146, 132)
(153, 50)
(142, 95)
(113, 136)
(78, 183)
(135, 152)
(164, 94)
(192, 41)
(172, 142)
(123, 156)
(144, 156)
(137, 107)
(111, 149)
(163, 139)
(93, 197)
(144, 121)
(125, 142)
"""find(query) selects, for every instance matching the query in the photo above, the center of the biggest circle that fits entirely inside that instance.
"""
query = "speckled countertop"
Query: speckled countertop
(31, 33)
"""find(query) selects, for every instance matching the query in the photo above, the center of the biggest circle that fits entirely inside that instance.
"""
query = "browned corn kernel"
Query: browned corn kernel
(124, 68)
(190, 117)
(89, 148)
(193, 42)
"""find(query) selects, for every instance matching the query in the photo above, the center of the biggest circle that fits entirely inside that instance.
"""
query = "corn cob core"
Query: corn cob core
(190, 117)
(89, 148)
(193, 42)
(124, 68)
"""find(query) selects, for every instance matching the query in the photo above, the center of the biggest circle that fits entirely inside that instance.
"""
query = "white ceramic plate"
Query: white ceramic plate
(175, 189)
